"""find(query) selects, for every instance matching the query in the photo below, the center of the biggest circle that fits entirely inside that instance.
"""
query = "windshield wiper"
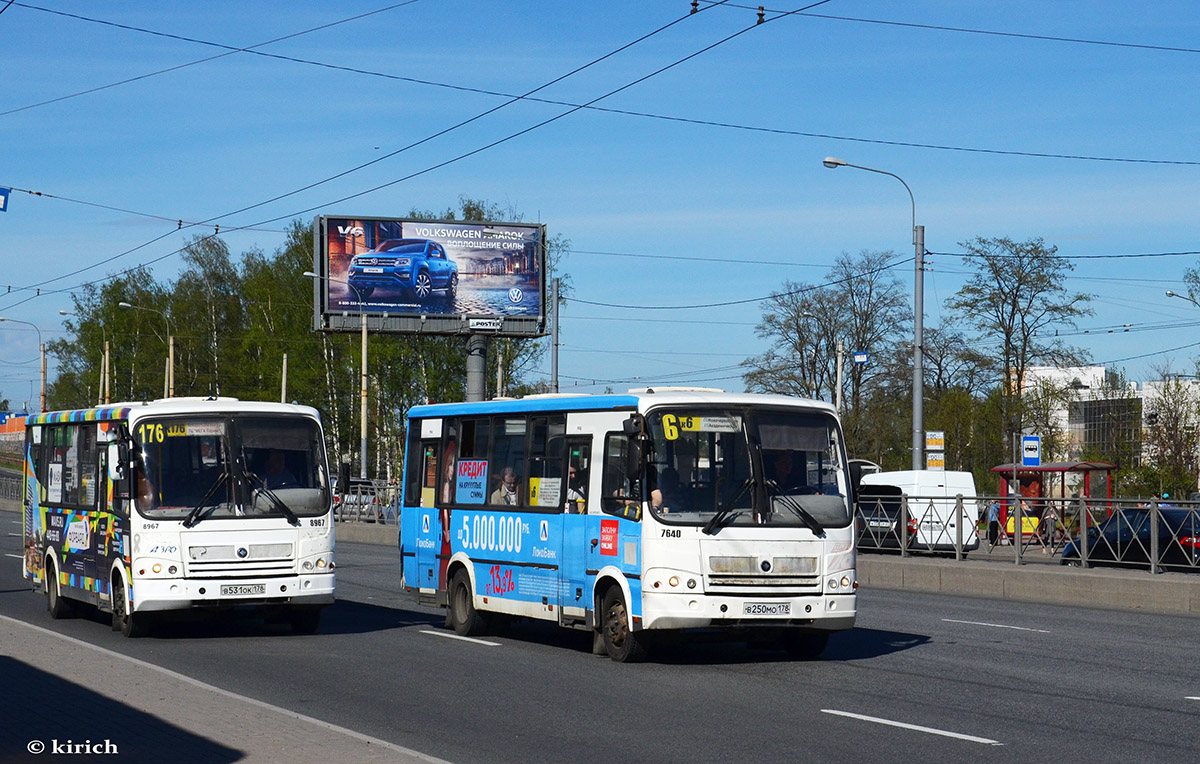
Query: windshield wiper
(726, 513)
(275, 500)
(805, 516)
(194, 516)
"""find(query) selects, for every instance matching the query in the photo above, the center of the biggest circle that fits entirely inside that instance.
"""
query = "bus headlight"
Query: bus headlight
(308, 565)
(674, 581)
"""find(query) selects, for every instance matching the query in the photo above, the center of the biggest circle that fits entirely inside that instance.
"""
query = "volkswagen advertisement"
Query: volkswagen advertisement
(430, 277)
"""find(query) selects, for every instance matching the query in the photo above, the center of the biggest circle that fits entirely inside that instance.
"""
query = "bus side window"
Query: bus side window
(620, 490)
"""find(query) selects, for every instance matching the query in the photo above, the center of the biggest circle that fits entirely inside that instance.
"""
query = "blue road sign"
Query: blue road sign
(1031, 450)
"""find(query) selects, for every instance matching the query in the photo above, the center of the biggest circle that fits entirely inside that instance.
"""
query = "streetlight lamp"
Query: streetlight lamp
(169, 379)
(362, 467)
(1189, 298)
(918, 434)
(42, 347)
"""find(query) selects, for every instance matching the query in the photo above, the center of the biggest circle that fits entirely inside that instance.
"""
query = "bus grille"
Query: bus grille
(218, 561)
(800, 575)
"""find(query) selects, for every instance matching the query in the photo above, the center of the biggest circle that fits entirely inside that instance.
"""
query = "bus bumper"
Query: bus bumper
(698, 611)
(181, 594)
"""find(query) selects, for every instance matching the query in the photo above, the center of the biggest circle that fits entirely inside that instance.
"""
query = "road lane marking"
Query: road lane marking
(18, 556)
(996, 626)
(226, 693)
(914, 727)
(1192, 697)
(464, 639)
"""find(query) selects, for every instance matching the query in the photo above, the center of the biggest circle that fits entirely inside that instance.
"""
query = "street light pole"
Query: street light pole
(1189, 298)
(42, 347)
(918, 434)
(169, 381)
(362, 467)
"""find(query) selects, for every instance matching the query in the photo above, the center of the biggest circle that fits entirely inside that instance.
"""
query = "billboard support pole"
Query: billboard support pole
(554, 336)
(477, 345)
(362, 468)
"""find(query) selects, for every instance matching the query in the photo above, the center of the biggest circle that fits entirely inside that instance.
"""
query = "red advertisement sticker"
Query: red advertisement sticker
(608, 537)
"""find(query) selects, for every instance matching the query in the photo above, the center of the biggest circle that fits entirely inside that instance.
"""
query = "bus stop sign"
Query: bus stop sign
(1031, 451)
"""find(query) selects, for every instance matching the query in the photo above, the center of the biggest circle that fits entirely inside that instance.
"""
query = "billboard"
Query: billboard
(429, 277)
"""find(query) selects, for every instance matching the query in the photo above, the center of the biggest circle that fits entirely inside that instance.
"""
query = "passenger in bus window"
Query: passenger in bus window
(507, 492)
(576, 489)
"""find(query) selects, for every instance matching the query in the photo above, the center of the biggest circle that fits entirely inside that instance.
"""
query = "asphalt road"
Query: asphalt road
(922, 677)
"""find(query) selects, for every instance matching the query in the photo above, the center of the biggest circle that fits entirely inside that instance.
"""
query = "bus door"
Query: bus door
(572, 570)
(614, 536)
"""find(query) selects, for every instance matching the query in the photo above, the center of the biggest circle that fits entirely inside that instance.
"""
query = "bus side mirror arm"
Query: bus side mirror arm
(118, 459)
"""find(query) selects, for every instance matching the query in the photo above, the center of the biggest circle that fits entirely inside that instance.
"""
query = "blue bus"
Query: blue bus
(664, 510)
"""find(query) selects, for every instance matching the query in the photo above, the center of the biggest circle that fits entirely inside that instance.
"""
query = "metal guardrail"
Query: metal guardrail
(1154, 535)
(380, 503)
(10, 488)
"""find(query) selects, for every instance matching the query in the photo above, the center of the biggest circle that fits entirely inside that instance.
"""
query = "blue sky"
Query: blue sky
(905, 96)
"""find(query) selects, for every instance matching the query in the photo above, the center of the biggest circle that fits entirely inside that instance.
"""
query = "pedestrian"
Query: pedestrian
(993, 523)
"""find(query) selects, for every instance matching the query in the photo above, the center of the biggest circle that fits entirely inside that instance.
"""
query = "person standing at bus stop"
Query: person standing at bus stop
(993, 523)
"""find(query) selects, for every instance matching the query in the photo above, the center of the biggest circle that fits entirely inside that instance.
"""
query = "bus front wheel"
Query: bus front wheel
(622, 644)
(464, 618)
(122, 620)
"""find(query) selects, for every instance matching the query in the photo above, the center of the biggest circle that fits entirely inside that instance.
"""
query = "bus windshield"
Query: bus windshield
(199, 467)
(731, 467)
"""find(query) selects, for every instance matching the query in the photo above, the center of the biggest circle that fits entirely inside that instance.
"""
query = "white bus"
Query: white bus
(657, 511)
(140, 508)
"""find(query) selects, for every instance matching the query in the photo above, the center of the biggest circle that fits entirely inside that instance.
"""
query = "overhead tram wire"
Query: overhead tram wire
(418, 143)
(987, 32)
(647, 115)
(748, 300)
(230, 50)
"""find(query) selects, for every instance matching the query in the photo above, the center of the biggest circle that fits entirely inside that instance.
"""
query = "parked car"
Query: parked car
(358, 500)
(415, 267)
(1125, 538)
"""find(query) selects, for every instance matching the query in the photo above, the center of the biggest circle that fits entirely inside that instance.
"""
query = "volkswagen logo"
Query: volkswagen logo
(515, 294)
(243, 552)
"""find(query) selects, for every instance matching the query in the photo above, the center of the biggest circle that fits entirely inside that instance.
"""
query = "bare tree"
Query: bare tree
(1016, 295)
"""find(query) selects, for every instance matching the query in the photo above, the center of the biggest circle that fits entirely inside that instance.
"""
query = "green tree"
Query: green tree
(1016, 294)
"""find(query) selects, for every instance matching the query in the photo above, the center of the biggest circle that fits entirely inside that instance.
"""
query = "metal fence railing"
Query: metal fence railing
(1151, 535)
(376, 502)
(10, 488)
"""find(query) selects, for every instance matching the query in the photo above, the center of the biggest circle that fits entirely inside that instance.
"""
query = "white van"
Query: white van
(932, 498)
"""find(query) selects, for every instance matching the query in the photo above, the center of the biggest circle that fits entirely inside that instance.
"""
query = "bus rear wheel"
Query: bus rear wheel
(622, 644)
(122, 620)
(58, 607)
(464, 618)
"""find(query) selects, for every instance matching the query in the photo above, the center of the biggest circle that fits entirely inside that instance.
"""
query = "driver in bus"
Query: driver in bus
(278, 475)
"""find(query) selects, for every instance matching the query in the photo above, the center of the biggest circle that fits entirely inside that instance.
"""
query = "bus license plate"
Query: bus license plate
(238, 590)
(771, 609)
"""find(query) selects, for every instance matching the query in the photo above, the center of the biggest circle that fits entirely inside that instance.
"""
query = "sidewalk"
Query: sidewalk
(67, 696)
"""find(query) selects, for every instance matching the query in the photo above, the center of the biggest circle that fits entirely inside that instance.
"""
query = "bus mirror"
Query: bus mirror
(118, 456)
(633, 425)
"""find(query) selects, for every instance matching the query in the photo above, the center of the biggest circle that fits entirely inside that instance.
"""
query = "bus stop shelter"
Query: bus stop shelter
(1037, 482)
